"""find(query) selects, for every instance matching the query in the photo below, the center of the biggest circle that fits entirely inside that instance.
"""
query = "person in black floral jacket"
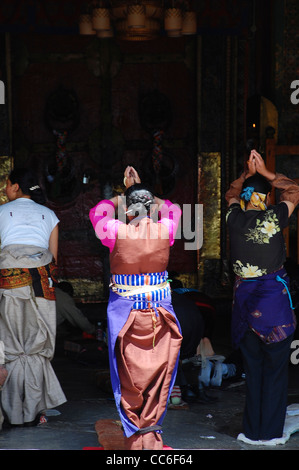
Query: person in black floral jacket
(263, 321)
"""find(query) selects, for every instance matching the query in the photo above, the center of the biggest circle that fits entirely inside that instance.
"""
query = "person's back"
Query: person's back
(142, 245)
(263, 321)
(256, 239)
(144, 334)
(29, 246)
(140, 248)
(23, 221)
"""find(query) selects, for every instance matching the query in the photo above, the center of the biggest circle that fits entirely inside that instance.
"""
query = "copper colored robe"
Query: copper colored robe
(144, 344)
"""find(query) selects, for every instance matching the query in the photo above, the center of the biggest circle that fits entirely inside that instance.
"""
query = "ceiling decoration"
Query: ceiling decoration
(138, 20)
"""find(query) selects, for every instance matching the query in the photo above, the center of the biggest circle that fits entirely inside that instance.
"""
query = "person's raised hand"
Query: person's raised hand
(131, 176)
(260, 166)
(251, 164)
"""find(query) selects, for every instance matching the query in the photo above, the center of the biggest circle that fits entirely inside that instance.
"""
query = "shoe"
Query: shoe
(270, 442)
(39, 419)
(176, 395)
(216, 379)
(204, 376)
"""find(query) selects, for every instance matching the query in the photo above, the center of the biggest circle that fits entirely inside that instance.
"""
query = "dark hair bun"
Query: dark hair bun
(139, 199)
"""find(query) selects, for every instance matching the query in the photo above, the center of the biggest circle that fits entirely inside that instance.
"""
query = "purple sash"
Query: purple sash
(264, 305)
(117, 314)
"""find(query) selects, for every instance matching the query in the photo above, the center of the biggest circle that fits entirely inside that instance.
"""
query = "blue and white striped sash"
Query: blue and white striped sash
(146, 289)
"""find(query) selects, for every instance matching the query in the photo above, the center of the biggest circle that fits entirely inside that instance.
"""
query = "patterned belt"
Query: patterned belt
(145, 289)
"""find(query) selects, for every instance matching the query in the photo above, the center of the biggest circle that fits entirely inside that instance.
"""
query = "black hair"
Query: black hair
(28, 183)
(139, 199)
(258, 182)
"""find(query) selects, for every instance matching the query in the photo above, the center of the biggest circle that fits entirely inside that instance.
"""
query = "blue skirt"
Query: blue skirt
(264, 305)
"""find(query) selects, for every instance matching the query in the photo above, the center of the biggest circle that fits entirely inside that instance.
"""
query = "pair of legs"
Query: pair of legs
(27, 329)
(266, 371)
(147, 350)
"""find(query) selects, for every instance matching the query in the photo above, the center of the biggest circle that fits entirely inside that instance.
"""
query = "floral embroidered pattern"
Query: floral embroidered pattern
(248, 270)
(265, 229)
(39, 278)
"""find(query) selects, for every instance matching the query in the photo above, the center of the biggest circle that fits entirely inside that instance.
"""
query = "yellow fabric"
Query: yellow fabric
(257, 200)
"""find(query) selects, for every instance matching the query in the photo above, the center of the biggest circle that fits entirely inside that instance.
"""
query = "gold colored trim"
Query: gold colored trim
(6, 165)
(209, 194)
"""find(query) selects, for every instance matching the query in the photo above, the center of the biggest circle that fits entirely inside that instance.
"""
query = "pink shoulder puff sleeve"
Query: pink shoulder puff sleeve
(102, 217)
(170, 216)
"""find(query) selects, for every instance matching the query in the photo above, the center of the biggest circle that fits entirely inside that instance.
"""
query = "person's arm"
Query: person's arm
(170, 215)
(169, 212)
(53, 242)
(289, 189)
(232, 196)
(68, 309)
(159, 202)
(103, 220)
(102, 216)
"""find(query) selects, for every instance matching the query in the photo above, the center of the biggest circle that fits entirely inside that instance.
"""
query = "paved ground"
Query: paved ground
(203, 426)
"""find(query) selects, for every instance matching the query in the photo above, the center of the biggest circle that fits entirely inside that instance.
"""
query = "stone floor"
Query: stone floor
(203, 426)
